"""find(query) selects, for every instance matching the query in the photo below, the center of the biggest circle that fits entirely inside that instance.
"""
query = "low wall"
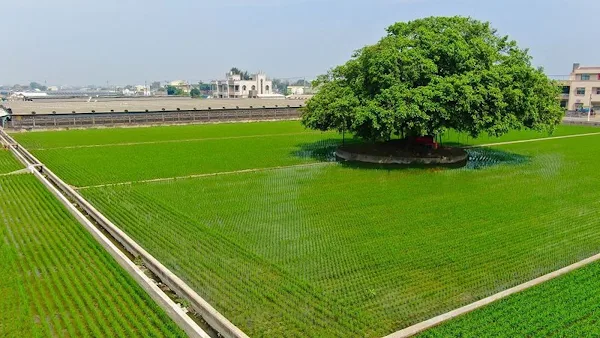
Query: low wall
(113, 119)
(581, 122)
(348, 155)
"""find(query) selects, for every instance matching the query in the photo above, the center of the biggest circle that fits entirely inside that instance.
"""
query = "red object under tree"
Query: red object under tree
(427, 140)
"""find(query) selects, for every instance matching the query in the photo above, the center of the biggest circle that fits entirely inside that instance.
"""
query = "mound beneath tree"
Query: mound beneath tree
(400, 152)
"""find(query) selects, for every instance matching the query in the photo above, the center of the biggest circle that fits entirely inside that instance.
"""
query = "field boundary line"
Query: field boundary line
(290, 134)
(73, 201)
(173, 141)
(220, 173)
(530, 140)
(26, 170)
(435, 321)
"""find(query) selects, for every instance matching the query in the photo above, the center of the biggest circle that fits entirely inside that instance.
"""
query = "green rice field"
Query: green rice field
(160, 152)
(307, 244)
(57, 281)
(568, 306)
(8, 163)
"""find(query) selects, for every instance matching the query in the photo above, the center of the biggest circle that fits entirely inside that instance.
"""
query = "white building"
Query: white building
(296, 90)
(23, 96)
(142, 90)
(259, 86)
(582, 90)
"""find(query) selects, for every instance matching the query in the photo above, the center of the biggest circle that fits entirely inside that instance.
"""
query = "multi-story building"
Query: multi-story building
(235, 87)
(582, 90)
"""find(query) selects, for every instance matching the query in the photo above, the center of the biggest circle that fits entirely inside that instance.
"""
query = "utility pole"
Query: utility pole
(590, 109)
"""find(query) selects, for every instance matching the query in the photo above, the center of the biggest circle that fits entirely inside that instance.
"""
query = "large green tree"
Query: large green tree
(195, 92)
(172, 90)
(433, 74)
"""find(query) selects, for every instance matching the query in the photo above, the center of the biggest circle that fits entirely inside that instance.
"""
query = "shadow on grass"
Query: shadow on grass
(479, 158)
(322, 151)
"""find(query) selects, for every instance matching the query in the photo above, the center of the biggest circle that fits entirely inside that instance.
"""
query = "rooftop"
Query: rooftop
(139, 104)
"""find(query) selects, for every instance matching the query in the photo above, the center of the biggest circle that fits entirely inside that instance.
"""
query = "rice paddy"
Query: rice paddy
(307, 244)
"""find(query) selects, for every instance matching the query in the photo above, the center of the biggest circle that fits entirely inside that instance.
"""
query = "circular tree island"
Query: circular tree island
(406, 151)
(428, 76)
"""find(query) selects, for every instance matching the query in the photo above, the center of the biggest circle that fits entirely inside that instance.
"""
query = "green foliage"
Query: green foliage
(204, 87)
(172, 90)
(195, 92)
(58, 281)
(434, 74)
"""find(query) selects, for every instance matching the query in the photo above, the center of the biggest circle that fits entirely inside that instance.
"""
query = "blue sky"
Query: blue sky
(129, 42)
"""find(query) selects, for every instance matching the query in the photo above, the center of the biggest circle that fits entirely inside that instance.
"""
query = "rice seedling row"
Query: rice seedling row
(83, 166)
(82, 137)
(567, 306)
(8, 163)
(58, 281)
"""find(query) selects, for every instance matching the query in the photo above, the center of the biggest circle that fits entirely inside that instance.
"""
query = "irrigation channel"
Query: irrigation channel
(161, 284)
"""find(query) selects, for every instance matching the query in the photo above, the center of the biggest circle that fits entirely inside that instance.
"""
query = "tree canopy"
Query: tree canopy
(172, 90)
(35, 85)
(243, 74)
(204, 87)
(195, 92)
(433, 74)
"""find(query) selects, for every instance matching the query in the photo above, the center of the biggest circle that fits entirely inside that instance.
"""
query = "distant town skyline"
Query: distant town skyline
(68, 42)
